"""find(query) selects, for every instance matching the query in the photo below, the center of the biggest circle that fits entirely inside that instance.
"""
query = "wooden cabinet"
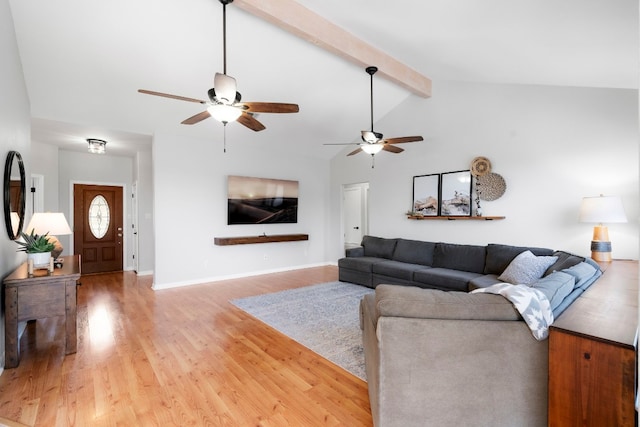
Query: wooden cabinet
(593, 353)
(39, 296)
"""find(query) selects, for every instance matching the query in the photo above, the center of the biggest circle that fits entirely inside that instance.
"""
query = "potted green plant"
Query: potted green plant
(37, 247)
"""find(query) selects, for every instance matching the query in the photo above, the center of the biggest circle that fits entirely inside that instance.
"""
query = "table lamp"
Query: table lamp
(602, 209)
(53, 223)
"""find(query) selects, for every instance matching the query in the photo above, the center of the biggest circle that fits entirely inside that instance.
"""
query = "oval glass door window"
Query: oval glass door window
(99, 216)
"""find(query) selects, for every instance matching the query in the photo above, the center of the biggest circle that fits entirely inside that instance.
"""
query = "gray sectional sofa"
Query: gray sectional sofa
(437, 355)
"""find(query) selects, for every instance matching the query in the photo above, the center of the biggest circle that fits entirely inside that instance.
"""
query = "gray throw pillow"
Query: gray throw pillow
(556, 286)
(526, 268)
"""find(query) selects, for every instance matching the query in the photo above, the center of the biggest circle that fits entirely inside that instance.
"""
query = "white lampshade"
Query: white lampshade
(371, 148)
(224, 113)
(602, 209)
(53, 223)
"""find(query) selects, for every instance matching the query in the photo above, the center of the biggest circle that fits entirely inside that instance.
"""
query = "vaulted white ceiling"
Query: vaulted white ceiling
(84, 61)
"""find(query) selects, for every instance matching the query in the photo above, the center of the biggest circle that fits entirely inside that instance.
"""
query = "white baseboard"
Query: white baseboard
(158, 287)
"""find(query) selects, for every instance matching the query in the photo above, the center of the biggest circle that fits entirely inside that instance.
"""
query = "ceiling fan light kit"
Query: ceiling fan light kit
(371, 148)
(224, 113)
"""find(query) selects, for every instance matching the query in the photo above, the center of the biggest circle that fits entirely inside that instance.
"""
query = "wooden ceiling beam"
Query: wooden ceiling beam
(302, 22)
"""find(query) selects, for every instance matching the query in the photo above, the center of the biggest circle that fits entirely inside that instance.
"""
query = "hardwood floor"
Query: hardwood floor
(177, 357)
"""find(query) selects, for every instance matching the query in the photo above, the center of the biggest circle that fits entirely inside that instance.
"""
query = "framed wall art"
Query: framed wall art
(426, 190)
(261, 200)
(455, 193)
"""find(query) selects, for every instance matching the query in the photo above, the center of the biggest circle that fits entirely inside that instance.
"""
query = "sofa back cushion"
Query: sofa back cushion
(459, 257)
(556, 286)
(565, 260)
(414, 252)
(500, 256)
(378, 247)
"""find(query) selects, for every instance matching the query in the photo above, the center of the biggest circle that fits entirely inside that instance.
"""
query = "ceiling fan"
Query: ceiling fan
(374, 142)
(224, 100)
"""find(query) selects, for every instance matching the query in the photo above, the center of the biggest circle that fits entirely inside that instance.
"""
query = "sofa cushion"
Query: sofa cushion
(444, 278)
(459, 257)
(582, 272)
(414, 252)
(397, 269)
(526, 268)
(378, 247)
(565, 260)
(499, 256)
(363, 263)
(556, 286)
(483, 281)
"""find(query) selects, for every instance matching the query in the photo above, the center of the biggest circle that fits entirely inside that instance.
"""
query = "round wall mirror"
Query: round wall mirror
(14, 194)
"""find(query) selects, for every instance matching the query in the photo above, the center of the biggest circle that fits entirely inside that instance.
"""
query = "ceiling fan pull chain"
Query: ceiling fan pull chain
(373, 161)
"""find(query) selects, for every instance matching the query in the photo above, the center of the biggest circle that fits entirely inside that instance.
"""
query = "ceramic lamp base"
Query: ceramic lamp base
(600, 245)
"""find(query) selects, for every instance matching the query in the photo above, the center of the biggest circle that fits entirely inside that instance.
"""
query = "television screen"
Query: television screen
(261, 200)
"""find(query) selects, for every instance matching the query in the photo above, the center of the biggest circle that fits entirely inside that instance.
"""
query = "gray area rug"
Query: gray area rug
(323, 318)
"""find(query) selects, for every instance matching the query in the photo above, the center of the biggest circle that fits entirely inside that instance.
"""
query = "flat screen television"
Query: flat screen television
(261, 200)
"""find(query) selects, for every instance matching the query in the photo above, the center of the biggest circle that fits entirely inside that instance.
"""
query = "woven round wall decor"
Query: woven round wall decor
(480, 166)
(490, 186)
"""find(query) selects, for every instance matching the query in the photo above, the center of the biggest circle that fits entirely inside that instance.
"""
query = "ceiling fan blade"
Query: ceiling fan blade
(197, 118)
(356, 151)
(402, 139)
(225, 87)
(269, 107)
(167, 95)
(249, 121)
(392, 148)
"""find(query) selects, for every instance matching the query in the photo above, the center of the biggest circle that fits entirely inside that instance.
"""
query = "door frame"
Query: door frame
(126, 220)
(364, 207)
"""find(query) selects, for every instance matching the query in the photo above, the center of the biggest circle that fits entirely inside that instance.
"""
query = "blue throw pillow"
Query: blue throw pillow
(582, 273)
(556, 286)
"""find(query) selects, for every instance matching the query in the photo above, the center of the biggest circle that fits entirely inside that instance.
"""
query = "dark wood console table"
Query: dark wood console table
(39, 296)
(593, 353)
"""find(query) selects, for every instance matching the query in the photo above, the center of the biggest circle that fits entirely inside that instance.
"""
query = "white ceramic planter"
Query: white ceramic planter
(40, 260)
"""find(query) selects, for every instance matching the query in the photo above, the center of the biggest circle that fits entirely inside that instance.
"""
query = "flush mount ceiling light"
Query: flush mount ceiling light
(96, 146)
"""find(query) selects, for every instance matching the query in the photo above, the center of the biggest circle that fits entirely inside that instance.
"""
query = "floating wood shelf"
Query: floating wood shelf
(245, 240)
(457, 218)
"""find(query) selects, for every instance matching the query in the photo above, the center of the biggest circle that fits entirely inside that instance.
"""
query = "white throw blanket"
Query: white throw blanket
(533, 306)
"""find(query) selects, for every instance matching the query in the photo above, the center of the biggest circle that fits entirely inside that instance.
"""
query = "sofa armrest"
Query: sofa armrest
(414, 302)
(358, 251)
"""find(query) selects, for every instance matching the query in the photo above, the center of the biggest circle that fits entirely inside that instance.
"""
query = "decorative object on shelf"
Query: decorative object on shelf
(51, 224)
(38, 249)
(492, 186)
(480, 166)
(601, 209)
(426, 192)
(455, 193)
(97, 146)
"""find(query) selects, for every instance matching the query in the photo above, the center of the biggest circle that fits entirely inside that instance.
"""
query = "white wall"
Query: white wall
(86, 168)
(15, 134)
(190, 208)
(44, 159)
(552, 145)
(143, 173)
